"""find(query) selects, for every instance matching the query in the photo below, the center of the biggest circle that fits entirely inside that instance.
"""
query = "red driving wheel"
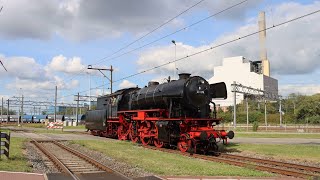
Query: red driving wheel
(145, 140)
(158, 143)
(121, 133)
(134, 138)
(184, 144)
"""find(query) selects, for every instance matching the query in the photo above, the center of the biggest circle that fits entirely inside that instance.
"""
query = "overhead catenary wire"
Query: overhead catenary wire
(222, 44)
(143, 36)
(150, 32)
(175, 32)
(3, 66)
(213, 47)
(163, 37)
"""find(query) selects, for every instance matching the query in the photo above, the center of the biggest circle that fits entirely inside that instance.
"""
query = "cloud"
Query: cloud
(4, 96)
(62, 64)
(35, 80)
(85, 20)
(62, 84)
(204, 63)
(32, 19)
(292, 49)
(24, 68)
(126, 84)
(234, 14)
(32, 85)
(304, 89)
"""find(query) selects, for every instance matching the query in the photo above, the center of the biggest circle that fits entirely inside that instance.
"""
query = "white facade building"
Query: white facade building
(245, 72)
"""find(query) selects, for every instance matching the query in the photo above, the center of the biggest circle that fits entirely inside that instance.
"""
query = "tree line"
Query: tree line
(11, 112)
(296, 109)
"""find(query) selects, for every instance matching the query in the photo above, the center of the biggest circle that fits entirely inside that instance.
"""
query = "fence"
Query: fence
(4, 142)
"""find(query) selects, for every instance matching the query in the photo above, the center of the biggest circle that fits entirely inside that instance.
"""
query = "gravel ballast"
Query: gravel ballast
(39, 162)
(123, 168)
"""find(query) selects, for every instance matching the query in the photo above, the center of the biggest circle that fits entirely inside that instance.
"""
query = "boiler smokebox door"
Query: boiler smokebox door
(218, 90)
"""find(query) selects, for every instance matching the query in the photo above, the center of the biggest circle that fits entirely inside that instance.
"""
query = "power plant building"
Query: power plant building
(254, 74)
(245, 72)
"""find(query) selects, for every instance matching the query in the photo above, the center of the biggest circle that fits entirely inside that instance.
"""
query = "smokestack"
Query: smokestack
(262, 39)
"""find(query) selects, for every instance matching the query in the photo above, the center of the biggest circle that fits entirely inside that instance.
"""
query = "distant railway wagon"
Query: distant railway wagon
(3, 118)
(59, 118)
(72, 119)
(27, 118)
(14, 118)
(80, 117)
(39, 118)
(42, 118)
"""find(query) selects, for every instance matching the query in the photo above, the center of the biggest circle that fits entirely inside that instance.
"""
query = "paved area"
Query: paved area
(4, 175)
(84, 176)
(275, 141)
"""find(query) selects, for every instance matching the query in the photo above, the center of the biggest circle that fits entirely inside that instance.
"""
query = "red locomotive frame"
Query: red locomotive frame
(140, 125)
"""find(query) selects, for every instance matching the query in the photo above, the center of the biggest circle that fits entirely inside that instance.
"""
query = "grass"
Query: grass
(41, 131)
(165, 163)
(25, 125)
(277, 135)
(32, 125)
(300, 152)
(75, 127)
(17, 161)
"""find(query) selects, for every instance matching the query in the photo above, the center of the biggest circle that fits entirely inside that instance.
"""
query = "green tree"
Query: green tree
(309, 109)
(11, 112)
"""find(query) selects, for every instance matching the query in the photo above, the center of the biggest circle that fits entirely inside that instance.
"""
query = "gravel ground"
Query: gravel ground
(39, 162)
(123, 168)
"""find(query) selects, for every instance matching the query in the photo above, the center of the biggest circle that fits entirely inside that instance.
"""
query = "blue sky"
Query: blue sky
(50, 43)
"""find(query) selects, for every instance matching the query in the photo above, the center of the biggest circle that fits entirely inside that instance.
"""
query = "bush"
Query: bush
(253, 116)
(226, 116)
(314, 120)
(255, 126)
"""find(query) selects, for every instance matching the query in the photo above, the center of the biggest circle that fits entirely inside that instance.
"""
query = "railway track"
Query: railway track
(283, 168)
(274, 163)
(72, 162)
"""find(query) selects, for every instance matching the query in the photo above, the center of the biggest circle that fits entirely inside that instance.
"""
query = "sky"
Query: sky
(50, 43)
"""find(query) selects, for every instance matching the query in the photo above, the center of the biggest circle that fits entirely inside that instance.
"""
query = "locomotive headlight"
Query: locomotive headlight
(201, 87)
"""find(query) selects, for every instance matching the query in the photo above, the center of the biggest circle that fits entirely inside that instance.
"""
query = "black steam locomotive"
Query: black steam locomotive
(176, 113)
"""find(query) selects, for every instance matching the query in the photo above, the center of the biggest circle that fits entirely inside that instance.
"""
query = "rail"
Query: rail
(64, 166)
(252, 162)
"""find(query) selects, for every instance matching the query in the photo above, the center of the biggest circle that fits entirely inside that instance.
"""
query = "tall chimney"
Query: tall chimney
(262, 39)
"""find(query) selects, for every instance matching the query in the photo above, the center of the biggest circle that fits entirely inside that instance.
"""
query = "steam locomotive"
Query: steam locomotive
(176, 113)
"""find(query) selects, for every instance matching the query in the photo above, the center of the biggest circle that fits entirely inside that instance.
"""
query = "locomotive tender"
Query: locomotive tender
(176, 113)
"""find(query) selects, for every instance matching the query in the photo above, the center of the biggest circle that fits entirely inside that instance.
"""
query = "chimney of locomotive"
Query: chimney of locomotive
(184, 75)
(152, 83)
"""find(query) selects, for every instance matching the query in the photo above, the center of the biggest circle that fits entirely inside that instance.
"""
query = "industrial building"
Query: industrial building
(242, 71)
(59, 109)
(254, 74)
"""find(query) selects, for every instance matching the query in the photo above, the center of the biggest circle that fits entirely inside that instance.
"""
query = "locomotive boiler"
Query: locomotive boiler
(176, 113)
